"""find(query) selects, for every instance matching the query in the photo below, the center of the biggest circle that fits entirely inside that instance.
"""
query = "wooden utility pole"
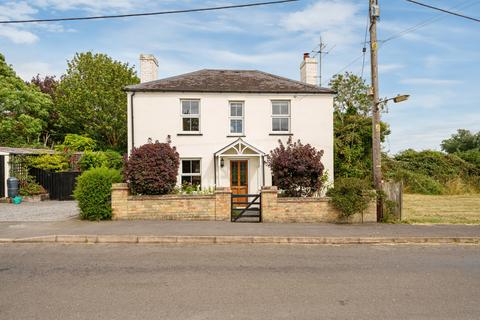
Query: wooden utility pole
(376, 148)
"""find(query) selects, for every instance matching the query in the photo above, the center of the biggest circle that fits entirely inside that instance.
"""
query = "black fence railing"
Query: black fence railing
(2, 177)
(60, 185)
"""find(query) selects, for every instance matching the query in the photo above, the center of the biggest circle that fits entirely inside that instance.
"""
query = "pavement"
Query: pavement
(39, 211)
(215, 232)
(113, 281)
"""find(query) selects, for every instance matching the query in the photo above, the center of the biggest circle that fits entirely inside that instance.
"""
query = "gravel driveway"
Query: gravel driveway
(39, 211)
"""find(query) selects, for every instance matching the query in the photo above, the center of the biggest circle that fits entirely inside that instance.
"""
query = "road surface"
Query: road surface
(48, 281)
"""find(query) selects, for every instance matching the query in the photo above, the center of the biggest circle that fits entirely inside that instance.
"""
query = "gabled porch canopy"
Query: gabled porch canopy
(239, 149)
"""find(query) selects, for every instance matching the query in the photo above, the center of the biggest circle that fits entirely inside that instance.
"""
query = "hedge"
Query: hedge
(93, 193)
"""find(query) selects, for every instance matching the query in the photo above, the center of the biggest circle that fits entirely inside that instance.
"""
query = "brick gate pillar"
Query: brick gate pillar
(119, 201)
(223, 198)
(269, 203)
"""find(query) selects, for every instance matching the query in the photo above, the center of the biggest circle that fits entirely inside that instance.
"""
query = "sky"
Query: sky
(437, 63)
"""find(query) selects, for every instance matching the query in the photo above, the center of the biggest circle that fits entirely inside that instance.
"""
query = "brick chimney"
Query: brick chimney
(148, 68)
(308, 70)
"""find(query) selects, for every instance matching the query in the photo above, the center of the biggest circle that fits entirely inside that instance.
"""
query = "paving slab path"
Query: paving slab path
(11, 230)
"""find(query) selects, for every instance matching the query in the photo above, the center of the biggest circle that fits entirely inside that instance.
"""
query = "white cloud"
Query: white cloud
(17, 33)
(30, 69)
(386, 68)
(339, 22)
(322, 15)
(429, 81)
(16, 11)
(17, 36)
(86, 5)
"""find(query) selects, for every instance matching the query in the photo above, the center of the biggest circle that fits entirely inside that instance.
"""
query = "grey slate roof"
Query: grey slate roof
(241, 81)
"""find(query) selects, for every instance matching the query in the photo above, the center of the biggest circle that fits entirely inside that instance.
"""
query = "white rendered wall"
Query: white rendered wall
(157, 115)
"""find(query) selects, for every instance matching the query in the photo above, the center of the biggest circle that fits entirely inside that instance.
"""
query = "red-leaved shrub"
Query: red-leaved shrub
(152, 168)
(297, 169)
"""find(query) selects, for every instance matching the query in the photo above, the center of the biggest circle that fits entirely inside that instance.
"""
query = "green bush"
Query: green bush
(29, 187)
(50, 162)
(471, 156)
(93, 192)
(96, 159)
(433, 172)
(351, 195)
(76, 142)
(417, 183)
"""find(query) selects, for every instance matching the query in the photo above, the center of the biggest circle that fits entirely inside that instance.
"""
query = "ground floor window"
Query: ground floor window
(191, 173)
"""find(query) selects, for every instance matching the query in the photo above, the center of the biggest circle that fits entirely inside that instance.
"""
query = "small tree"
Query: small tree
(351, 195)
(297, 168)
(152, 168)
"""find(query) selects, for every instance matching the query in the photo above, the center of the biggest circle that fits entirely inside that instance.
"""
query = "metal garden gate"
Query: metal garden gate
(246, 208)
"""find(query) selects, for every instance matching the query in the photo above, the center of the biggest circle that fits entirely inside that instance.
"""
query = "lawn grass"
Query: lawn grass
(455, 209)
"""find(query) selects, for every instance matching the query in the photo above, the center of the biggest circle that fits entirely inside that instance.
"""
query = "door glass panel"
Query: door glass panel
(234, 173)
(243, 173)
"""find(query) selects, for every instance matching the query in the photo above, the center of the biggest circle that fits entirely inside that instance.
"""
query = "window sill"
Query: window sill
(236, 136)
(280, 134)
(190, 134)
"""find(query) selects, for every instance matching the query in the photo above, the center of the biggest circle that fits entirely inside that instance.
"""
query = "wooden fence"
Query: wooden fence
(60, 185)
(394, 194)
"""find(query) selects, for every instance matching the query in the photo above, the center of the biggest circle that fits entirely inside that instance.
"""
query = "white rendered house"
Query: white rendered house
(224, 122)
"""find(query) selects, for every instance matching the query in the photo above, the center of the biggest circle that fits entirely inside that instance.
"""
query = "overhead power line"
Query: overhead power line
(254, 4)
(444, 10)
(424, 23)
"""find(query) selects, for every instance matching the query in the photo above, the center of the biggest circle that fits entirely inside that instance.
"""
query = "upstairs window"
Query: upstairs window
(191, 115)
(281, 116)
(191, 173)
(236, 118)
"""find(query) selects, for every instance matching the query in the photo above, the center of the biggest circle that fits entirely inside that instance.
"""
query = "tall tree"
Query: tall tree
(24, 109)
(353, 126)
(91, 100)
(48, 85)
(463, 140)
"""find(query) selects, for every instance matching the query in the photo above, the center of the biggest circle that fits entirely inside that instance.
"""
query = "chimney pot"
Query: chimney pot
(306, 55)
(148, 68)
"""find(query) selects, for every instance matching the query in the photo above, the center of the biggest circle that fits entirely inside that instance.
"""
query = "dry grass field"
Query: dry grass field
(463, 209)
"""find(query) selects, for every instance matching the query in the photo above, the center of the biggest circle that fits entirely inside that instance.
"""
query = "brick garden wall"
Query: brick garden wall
(217, 207)
(169, 207)
(313, 210)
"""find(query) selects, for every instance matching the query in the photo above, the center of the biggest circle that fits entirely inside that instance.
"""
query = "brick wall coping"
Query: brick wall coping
(171, 197)
(301, 199)
(119, 186)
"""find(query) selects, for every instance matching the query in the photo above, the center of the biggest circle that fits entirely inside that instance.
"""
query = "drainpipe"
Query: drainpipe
(263, 171)
(214, 171)
(131, 120)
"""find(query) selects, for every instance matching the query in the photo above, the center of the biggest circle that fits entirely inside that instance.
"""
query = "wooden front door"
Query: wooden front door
(239, 176)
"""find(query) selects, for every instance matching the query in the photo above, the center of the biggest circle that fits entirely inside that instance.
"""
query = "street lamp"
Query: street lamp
(399, 98)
